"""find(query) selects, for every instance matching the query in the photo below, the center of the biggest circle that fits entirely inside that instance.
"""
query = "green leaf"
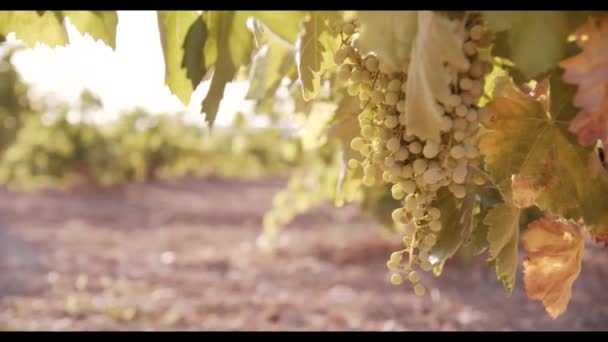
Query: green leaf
(182, 36)
(389, 34)
(345, 125)
(488, 197)
(526, 31)
(271, 63)
(31, 28)
(285, 24)
(456, 220)
(503, 240)
(224, 27)
(523, 139)
(99, 24)
(344, 128)
(315, 48)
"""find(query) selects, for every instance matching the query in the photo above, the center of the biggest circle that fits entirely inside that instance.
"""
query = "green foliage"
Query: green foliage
(99, 24)
(456, 219)
(503, 239)
(526, 31)
(182, 36)
(33, 28)
(315, 48)
(273, 60)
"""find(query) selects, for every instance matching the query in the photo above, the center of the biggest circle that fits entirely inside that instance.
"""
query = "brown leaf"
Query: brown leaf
(553, 264)
(589, 70)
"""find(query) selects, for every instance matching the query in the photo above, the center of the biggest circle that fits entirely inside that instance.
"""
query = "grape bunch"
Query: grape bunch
(416, 168)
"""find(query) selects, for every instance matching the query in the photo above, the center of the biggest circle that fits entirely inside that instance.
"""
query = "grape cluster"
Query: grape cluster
(417, 168)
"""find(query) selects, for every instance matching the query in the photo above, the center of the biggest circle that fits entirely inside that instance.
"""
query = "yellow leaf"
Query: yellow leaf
(553, 264)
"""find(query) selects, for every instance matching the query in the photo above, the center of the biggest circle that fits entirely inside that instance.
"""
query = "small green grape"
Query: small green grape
(419, 290)
(396, 279)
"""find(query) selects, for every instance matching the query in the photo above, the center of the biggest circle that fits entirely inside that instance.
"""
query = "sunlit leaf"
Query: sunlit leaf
(553, 263)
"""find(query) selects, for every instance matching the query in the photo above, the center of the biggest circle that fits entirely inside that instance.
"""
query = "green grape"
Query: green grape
(392, 265)
(353, 163)
(418, 214)
(457, 152)
(414, 276)
(357, 143)
(369, 181)
(397, 214)
(419, 166)
(407, 171)
(435, 226)
(377, 96)
(391, 121)
(396, 256)
(371, 63)
(409, 187)
(402, 154)
(389, 161)
(396, 279)
(414, 147)
(431, 149)
(391, 98)
(394, 85)
(393, 144)
(419, 290)
(397, 191)
(367, 131)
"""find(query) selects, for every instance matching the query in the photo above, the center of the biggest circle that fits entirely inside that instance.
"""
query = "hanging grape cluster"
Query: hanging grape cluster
(416, 168)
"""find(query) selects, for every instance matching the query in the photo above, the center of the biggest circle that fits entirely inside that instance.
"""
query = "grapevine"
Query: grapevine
(416, 168)
(454, 129)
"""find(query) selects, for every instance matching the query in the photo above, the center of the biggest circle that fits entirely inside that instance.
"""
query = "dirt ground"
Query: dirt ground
(181, 256)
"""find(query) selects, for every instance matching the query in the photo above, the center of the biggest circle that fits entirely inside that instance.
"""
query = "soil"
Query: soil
(181, 255)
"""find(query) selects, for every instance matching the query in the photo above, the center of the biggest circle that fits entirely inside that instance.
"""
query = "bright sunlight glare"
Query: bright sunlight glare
(132, 76)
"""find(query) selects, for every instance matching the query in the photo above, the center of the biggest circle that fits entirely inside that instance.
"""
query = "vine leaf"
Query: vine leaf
(550, 169)
(456, 220)
(437, 42)
(345, 126)
(183, 34)
(553, 263)
(503, 239)
(270, 64)
(285, 24)
(32, 27)
(526, 30)
(314, 51)
(389, 34)
(99, 24)
(229, 46)
(589, 70)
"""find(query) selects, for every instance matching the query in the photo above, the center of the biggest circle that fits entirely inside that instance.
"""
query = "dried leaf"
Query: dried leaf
(553, 264)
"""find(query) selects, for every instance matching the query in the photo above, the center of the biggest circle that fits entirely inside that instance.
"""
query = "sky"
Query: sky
(131, 76)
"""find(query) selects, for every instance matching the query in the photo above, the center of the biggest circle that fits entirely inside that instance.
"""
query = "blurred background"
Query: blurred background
(120, 210)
